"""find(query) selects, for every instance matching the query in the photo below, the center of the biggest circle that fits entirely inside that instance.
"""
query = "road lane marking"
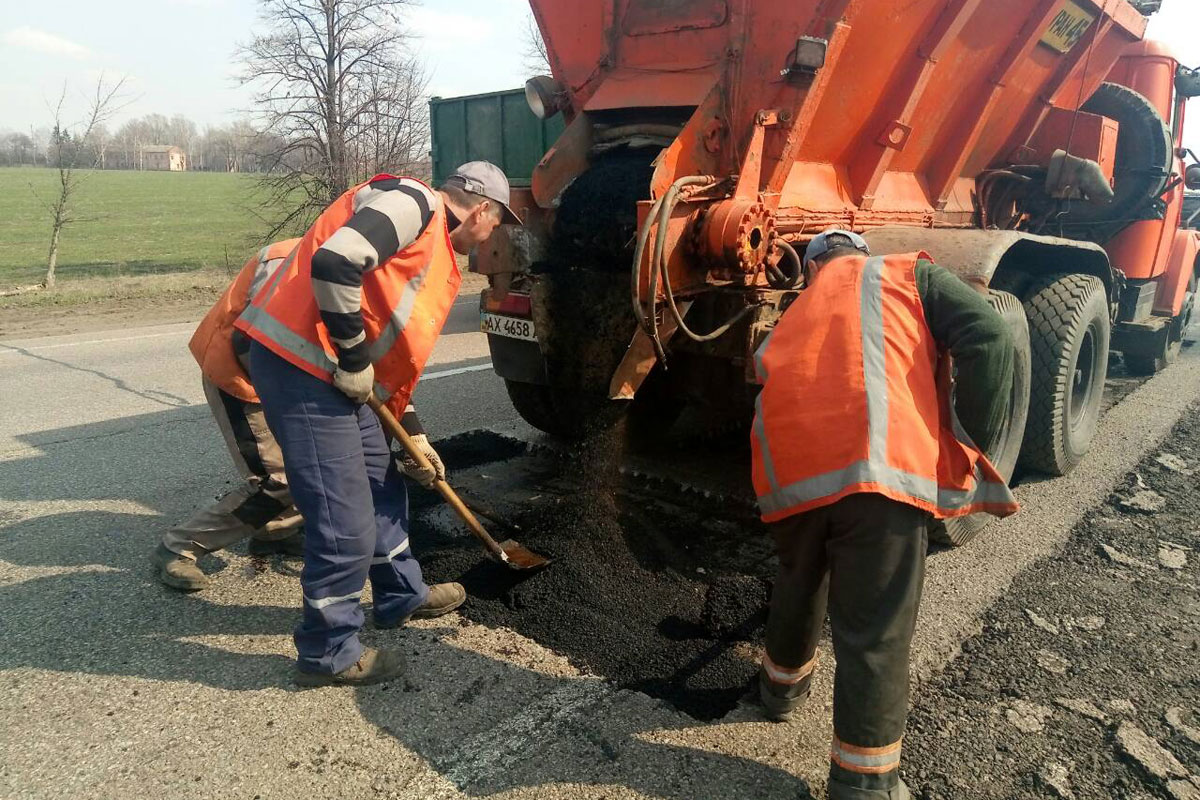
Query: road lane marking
(449, 373)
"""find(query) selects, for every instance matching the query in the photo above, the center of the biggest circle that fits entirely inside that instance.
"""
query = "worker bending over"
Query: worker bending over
(357, 308)
(261, 507)
(857, 450)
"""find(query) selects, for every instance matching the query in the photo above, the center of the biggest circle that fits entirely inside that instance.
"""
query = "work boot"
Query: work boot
(443, 598)
(777, 705)
(842, 791)
(291, 547)
(373, 666)
(178, 572)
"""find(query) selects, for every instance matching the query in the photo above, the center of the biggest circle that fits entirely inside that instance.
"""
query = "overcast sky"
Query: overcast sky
(177, 53)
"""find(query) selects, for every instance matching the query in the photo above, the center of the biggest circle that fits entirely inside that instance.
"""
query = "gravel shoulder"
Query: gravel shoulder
(1084, 681)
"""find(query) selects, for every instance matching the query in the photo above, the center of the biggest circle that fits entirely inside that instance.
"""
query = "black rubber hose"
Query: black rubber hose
(785, 280)
(638, 253)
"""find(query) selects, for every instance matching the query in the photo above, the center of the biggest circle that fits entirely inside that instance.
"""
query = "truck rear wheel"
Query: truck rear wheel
(1069, 332)
(1004, 451)
(570, 415)
(535, 405)
(1149, 364)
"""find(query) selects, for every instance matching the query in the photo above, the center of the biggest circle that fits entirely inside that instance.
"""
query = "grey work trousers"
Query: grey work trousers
(261, 506)
(862, 559)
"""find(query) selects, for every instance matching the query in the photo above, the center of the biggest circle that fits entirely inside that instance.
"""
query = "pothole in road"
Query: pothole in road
(656, 587)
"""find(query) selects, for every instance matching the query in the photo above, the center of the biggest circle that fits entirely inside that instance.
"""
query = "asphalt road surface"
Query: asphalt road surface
(113, 686)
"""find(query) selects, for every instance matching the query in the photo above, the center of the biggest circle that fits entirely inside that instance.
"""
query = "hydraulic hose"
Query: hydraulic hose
(777, 278)
(660, 214)
(638, 253)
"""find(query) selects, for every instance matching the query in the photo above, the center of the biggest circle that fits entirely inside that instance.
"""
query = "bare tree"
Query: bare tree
(389, 129)
(71, 155)
(329, 73)
(536, 56)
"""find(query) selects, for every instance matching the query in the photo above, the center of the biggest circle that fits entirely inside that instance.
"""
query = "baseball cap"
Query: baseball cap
(820, 245)
(485, 178)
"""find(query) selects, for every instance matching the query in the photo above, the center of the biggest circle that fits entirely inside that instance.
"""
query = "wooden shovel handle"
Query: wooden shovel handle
(392, 426)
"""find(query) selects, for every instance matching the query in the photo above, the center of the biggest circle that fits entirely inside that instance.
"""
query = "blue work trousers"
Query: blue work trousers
(355, 509)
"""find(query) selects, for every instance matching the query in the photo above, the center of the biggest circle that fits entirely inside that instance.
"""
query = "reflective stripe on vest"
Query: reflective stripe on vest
(873, 473)
(760, 431)
(213, 343)
(415, 285)
(315, 354)
(258, 316)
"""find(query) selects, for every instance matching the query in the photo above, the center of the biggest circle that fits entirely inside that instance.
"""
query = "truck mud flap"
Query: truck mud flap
(518, 360)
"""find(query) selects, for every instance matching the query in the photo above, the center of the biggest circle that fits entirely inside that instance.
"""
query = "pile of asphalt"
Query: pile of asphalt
(657, 597)
(1084, 680)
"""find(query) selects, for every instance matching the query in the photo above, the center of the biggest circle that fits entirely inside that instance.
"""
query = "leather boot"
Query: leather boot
(443, 598)
(178, 572)
(842, 791)
(373, 666)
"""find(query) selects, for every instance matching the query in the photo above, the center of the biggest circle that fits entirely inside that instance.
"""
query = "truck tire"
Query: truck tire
(573, 417)
(1005, 450)
(1147, 364)
(534, 404)
(1069, 331)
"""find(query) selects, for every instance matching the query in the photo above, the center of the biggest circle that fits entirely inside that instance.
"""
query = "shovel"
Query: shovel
(510, 553)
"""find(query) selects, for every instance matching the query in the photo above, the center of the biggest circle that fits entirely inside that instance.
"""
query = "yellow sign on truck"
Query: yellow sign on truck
(1068, 27)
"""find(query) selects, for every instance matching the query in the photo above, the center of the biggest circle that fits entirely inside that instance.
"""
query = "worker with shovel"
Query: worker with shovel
(261, 506)
(355, 310)
(857, 450)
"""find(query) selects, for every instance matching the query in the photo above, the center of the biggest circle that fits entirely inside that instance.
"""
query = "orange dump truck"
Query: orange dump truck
(1032, 146)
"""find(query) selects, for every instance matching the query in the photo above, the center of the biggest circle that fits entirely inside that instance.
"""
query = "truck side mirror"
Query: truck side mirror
(1187, 82)
(1191, 178)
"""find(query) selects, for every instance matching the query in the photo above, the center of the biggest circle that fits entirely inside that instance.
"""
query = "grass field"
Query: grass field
(130, 224)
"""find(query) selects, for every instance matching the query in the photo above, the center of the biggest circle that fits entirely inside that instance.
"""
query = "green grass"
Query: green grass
(129, 223)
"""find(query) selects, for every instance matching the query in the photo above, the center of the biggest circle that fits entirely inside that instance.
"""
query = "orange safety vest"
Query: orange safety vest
(405, 302)
(856, 398)
(212, 343)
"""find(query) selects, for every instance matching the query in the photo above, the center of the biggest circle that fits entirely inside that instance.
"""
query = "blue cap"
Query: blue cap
(819, 246)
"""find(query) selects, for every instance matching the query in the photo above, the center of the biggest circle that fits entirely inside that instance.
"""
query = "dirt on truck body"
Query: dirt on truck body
(1034, 147)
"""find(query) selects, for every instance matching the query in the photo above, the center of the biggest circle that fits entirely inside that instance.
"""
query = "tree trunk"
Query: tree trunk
(52, 260)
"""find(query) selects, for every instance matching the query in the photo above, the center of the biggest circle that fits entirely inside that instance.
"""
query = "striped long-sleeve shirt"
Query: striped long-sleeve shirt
(389, 215)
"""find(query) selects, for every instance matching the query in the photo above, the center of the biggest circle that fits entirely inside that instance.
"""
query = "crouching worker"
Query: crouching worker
(261, 507)
(857, 450)
(356, 309)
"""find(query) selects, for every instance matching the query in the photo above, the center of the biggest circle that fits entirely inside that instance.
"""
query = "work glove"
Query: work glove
(355, 385)
(408, 465)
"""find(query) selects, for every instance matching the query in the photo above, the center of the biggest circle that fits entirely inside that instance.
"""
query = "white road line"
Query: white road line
(8, 349)
(449, 373)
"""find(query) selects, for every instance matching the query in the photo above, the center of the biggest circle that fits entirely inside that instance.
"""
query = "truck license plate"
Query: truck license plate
(512, 327)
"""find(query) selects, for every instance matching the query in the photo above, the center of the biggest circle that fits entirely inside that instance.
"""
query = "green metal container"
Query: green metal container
(496, 127)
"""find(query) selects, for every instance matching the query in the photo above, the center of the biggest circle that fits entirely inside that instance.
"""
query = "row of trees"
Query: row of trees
(341, 95)
(236, 147)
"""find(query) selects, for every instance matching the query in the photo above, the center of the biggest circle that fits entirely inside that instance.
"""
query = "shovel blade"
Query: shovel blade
(518, 556)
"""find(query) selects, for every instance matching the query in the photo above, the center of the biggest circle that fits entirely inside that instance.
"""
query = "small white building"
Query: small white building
(164, 157)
